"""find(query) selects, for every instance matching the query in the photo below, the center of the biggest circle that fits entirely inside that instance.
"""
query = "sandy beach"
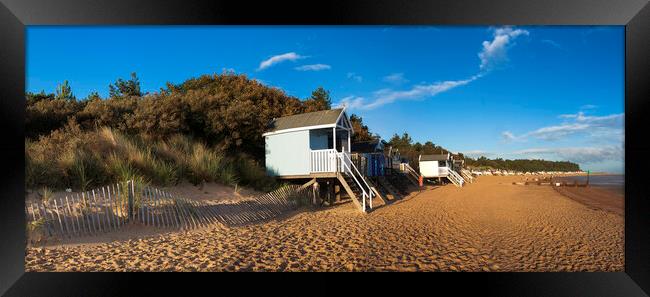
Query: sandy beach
(490, 225)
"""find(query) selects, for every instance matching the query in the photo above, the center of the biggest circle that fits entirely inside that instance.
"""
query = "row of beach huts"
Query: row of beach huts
(506, 172)
(315, 149)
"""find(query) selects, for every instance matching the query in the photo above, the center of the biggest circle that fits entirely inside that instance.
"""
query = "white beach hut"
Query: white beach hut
(434, 165)
(439, 166)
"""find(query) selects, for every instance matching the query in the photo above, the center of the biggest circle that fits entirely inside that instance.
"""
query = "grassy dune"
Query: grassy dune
(72, 158)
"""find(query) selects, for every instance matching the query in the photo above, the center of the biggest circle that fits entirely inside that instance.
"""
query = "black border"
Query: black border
(634, 14)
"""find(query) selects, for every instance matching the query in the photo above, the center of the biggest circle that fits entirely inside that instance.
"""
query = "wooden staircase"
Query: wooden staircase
(412, 175)
(389, 191)
(352, 189)
(467, 175)
(354, 183)
(375, 189)
(400, 182)
(455, 178)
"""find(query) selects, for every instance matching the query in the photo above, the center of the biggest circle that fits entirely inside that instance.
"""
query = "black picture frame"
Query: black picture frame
(633, 14)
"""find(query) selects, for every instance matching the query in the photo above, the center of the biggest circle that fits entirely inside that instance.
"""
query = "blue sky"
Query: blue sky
(555, 93)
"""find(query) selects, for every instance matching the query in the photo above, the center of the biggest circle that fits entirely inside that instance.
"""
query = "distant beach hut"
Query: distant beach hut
(434, 165)
(439, 166)
(457, 164)
(369, 146)
(369, 157)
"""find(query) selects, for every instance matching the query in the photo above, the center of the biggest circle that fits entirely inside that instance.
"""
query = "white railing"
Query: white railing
(443, 171)
(346, 167)
(412, 173)
(455, 178)
(467, 175)
(323, 160)
(329, 160)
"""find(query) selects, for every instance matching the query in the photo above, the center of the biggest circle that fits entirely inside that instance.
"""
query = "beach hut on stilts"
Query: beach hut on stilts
(440, 167)
(315, 148)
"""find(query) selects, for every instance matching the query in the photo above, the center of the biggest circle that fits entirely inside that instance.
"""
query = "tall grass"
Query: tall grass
(252, 174)
(206, 165)
(79, 170)
(70, 158)
(121, 169)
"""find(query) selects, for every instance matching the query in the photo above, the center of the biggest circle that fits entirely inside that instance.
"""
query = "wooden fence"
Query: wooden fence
(112, 207)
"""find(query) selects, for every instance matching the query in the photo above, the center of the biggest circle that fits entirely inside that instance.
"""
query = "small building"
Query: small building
(315, 147)
(437, 165)
(440, 166)
(369, 146)
(458, 164)
(306, 145)
(368, 156)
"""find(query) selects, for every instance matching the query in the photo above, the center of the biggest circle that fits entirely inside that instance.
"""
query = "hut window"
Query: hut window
(442, 163)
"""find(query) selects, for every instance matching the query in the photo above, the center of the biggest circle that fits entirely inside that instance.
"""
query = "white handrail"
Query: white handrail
(412, 171)
(467, 175)
(457, 179)
(363, 194)
(357, 170)
(341, 156)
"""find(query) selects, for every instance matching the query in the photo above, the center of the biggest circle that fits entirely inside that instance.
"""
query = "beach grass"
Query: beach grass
(76, 159)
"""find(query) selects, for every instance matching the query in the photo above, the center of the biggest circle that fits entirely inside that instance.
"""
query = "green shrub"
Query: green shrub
(163, 173)
(254, 175)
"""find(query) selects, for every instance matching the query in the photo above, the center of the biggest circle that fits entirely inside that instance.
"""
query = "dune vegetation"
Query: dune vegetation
(206, 129)
(72, 158)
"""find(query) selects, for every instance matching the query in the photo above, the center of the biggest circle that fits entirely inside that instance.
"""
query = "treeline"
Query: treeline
(227, 113)
(522, 165)
(225, 110)
(410, 150)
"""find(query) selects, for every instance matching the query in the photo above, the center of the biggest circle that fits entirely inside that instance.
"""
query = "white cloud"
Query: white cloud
(567, 116)
(278, 59)
(313, 67)
(355, 77)
(587, 155)
(557, 132)
(612, 120)
(495, 52)
(351, 102)
(508, 136)
(588, 106)
(386, 96)
(552, 43)
(477, 154)
(609, 126)
(395, 78)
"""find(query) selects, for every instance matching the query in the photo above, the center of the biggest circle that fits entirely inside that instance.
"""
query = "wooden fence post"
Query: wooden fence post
(130, 190)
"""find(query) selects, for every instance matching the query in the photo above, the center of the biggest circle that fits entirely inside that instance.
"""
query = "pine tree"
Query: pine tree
(64, 91)
(125, 88)
(319, 100)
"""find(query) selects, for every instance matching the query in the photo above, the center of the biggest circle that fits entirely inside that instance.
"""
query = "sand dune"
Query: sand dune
(490, 225)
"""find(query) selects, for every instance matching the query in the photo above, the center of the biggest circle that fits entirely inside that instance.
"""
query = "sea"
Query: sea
(609, 181)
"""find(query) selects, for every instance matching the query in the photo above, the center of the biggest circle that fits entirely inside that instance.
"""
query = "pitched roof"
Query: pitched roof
(434, 157)
(317, 118)
(368, 146)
